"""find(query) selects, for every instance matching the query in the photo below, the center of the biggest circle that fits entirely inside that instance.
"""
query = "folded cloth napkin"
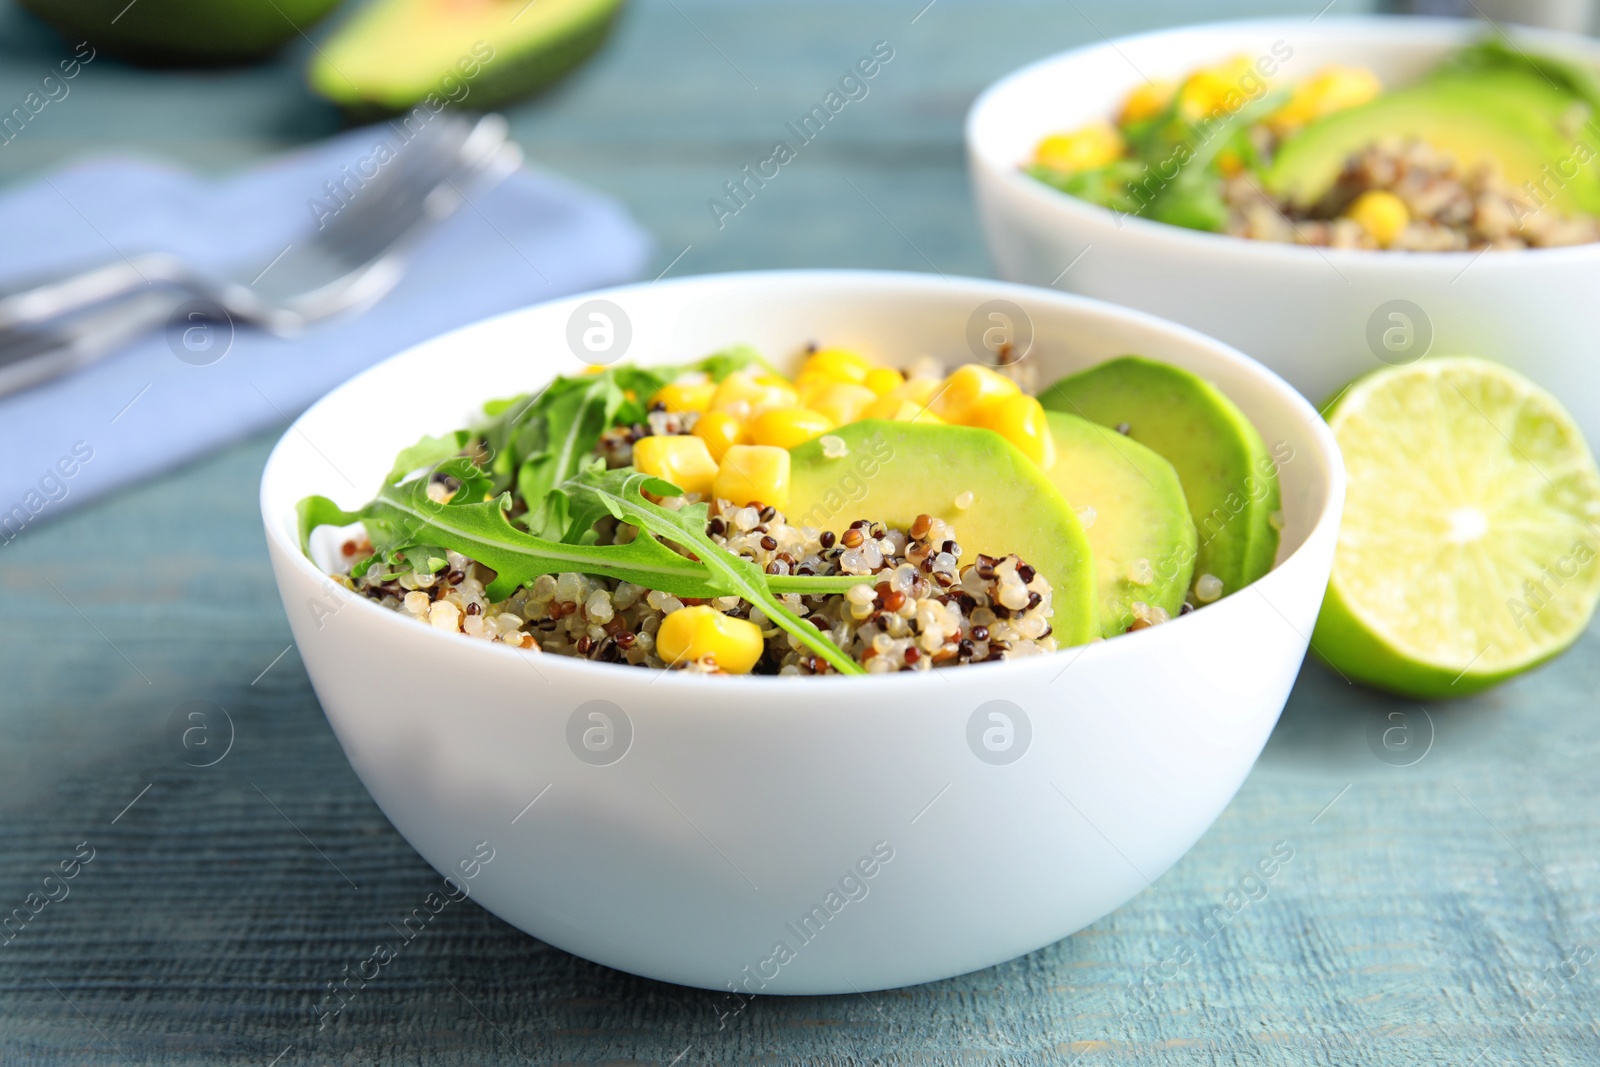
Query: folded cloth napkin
(143, 410)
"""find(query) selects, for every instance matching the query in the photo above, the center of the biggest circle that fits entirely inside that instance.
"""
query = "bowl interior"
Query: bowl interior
(1087, 84)
(343, 446)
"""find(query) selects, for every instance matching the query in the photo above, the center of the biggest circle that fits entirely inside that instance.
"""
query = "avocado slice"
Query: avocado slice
(396, 54)
(1513, 117)
(164, 33)
(1229, 477)
(895, 471)
(1139, 513)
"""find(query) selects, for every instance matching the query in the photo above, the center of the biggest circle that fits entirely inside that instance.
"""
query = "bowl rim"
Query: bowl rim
(1329, 458)
(1421, 29)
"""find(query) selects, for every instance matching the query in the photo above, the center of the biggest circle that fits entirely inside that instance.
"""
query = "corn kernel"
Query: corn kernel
(1147, 101)
(1333, 88)
(719, 430)
(754, 472)
(969, 389)
(1223, 88)
(808, 384)
(685, 396)
(760, 393)
(787, 427)
(1020, 419)
(698, 631)
(906, 411)
(1093, 146)
(680, 459)
(840, 364)
(918, 391)
(841, 402)
(1381, 214)
(883, 380)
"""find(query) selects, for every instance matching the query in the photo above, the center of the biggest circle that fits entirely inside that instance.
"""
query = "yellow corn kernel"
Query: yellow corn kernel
(969, 389)
(1223, 88)
(719, 430)
(1382, 214)
(883, 380)
(1020, 419)
(906, 411)
(917, 391)
(841, 402)
(758, 393)
(808, 384)
(754, 472)
(686, 396)
(1093, 146)
(787, 427)
(1333, 88)
(840, 364)
(680, 459)
(697, 632)
(1147, 101)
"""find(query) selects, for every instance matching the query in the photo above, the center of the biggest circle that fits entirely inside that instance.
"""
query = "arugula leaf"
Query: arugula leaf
(426, 453)
(538, 442)
(620, 494)
(406, 524)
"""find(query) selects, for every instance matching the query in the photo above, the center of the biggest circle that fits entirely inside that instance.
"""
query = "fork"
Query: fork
(347, 265)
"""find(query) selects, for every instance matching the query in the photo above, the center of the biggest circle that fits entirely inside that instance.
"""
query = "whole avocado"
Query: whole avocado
(182, 32)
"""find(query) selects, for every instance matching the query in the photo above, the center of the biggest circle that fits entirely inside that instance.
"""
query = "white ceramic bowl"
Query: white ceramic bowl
(742, 802)
(1307, 313)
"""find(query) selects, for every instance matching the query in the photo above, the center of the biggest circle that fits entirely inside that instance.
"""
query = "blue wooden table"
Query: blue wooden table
(1441, 902)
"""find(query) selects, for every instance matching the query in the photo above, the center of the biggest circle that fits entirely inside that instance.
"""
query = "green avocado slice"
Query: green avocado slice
(1229, 477)
(395, 54)
(1138, 513)
(895, 471)
(1526, 126)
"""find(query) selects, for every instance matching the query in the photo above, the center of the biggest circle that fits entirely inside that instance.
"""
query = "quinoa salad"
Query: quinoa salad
(1492, 150)
(672, 518)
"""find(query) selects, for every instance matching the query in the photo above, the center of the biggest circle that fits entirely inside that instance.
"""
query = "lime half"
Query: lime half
(1470, 549)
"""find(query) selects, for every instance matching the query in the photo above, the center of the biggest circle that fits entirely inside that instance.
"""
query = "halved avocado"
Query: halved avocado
(1510, 117)
(1139, 514)
(1229, 477)
(395, 54)
(182, 32)
(895, 471)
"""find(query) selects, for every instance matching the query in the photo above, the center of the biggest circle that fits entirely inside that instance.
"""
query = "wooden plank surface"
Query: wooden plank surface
(1425, 915)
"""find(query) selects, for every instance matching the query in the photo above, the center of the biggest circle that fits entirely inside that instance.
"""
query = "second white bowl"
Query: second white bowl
(1317, 316)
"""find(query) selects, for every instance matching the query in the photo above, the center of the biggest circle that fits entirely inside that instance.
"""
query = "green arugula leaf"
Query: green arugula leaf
(426, 453)
(620, 494)
(406, 525)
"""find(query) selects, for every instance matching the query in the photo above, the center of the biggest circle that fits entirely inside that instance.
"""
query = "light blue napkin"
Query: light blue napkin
(144, 410)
